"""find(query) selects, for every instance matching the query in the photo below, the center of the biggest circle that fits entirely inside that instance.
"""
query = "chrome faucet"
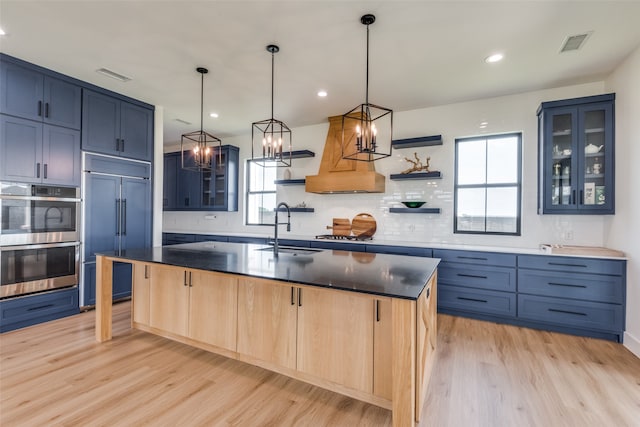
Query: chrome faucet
(275, 232)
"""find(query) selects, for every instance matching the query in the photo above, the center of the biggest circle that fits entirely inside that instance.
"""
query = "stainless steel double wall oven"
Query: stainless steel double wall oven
(39, 238)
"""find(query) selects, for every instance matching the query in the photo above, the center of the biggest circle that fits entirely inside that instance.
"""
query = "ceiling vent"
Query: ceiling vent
(184, 122)
(574, 42)
(113, 74)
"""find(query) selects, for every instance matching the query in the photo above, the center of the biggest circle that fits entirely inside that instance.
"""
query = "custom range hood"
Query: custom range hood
(338, 175)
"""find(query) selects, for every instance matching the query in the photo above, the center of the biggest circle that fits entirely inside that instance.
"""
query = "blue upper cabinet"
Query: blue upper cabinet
(576, 156)
(33, 95)
(116, 127)
(170, 181)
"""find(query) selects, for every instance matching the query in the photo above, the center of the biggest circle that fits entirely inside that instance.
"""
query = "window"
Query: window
(487, 188)
(261, 194)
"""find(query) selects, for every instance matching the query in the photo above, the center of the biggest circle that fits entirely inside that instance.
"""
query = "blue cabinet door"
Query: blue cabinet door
(189, 185)
(121, 282)
(101, 214)
(20, 150)
(62, 103)
(100, 123)
(170, 181)
(136, 213)
(21, 93)
(136, 131)
(61, 156)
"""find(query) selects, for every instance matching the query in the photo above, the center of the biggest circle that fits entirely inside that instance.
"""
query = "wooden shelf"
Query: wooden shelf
(422, 141)
(419, 175)
(300, 154)
(415, 210)
(300, 181)
(297, 210)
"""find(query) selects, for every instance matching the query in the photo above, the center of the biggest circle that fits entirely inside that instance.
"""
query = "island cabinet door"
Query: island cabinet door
(140, 292)
(169, 299)
(335, 337)
(213, 309)
(382, 349)
(267, 313)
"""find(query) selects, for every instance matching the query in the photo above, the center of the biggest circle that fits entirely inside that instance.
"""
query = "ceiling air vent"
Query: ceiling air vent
(113, 74)
(182, 121)
(574, 42)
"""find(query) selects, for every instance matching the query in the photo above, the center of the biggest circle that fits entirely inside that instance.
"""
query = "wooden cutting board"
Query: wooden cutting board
(340, 227)
(363, 225)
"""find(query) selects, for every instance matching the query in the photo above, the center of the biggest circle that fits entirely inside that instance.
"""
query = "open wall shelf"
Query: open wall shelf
(415, 210)
(419, 175)
(299, 154)
(300, 181)
(296, 210)
(422, 141)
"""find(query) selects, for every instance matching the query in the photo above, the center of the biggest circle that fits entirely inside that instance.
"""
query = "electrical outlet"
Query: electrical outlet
(568, 235)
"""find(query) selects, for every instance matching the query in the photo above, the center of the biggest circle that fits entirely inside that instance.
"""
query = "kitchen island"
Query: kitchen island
(360, 324)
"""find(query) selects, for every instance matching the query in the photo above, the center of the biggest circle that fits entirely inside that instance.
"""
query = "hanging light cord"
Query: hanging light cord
(367, 80)
(202, 99)
(272, 73)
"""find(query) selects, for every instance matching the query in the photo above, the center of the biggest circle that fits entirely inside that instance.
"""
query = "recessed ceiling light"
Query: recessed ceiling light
(113, 74)
(483, 125)
(214, 115)
(2, 33)
(493, 58)
(322, 93)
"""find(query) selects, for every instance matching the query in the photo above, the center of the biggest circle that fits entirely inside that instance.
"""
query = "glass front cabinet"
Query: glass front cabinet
(576, 156)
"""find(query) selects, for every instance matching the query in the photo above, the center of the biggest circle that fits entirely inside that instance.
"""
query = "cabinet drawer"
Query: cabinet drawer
(583, 314)
(176, 238)
(590, 287)
(573, 264)
(338, 246)
(477, 301)
(400, 250)
(477, 276)
(30, 310)
(482, 258)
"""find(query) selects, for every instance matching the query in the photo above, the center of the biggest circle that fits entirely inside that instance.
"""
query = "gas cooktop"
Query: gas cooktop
(341, 237)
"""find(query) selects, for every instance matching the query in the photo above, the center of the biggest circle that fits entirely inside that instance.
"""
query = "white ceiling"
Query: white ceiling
(423, 53)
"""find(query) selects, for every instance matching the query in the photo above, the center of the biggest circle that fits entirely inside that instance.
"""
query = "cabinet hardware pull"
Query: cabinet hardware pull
(568, 285)
(292, 297)
(377, 310)
(124, 217)
(573, 197)
(473, 299)
(146, 271)
(191, 279)
(46, 109)
(40, 307)
(581, 197)
(475, 276)
(186, 201)
(122, 145)
(299, 297)
(117, 217)
(117, 144)
(37, 170)
(39, 108)
(577, 313)
(45, 170)
(472, 257)
(428, 292)
(185, 278)
(567, 265)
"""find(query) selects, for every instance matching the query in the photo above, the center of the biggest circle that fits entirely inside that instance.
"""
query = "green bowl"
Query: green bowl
(413, 204)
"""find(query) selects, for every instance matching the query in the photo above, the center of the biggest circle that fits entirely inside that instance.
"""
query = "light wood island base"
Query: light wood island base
(376, 349)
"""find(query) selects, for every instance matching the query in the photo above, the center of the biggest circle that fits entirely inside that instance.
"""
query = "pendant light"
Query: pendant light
(367, 130)
(197, 147)
(271, 138)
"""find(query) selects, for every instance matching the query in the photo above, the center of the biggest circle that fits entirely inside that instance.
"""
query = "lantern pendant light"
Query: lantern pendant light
(367, 130)
(197, 147)
(271, 138)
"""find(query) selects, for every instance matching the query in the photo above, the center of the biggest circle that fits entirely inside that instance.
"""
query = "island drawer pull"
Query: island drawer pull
(292, 297)
(185, 278)
(377, 310)
(475, 276)
(577, 313)
(473, 299)
(568, 285)
(299, 297)
(146, 271)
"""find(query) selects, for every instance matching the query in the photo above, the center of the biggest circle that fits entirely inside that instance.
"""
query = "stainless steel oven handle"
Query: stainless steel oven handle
(40, 246)
(40, 198)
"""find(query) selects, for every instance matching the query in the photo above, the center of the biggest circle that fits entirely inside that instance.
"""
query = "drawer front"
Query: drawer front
(338, 246)
(176, 238)
(477, 301)
(591, 287)
(476, 276)
(400, 250)
(565, 312)
(573, 264)
(211, 238)
(469, 257)
(29, 310)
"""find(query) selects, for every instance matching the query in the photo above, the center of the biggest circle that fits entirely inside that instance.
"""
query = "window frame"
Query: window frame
(517, 185)
(249, 192)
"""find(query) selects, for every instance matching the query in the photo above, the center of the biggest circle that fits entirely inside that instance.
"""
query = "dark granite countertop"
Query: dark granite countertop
(395, 276)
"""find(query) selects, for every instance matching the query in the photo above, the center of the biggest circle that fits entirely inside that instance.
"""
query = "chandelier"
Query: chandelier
(271, 138)
(197, 146)
(367, 130)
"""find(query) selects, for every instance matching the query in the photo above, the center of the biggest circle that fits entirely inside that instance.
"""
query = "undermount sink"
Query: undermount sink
(291, 250)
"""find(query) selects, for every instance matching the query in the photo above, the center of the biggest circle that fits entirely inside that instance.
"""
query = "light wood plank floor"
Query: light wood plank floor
(485, 375)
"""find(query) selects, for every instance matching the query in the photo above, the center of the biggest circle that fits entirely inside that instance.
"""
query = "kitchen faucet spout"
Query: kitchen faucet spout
(275, 232)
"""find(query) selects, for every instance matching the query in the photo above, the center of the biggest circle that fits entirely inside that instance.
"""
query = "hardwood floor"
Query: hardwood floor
(484, 375)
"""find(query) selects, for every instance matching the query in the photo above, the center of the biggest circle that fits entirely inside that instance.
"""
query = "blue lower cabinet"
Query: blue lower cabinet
(293, 242)
(400, 250)
(211, 238)
(338, 246)
(177, 238)
(121, 282)
(29, 310)
(459, 299)
(565, 312)
(248, 239)
(478, 276)
(589, 287)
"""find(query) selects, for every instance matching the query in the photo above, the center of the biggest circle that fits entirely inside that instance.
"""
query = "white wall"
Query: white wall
(515, 113)
(622, 231)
